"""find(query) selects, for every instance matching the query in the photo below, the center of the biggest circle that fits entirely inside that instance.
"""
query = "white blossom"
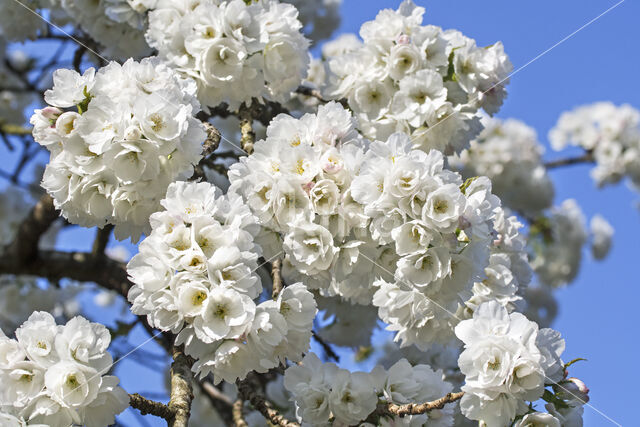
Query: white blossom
(55, 374)
(112, 161)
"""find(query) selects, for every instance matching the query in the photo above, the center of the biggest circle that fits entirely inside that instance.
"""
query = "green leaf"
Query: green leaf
(467, 183)
(577, 359)
(550, 397)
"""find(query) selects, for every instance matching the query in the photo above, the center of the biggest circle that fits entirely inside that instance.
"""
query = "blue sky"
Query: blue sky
(600, 62)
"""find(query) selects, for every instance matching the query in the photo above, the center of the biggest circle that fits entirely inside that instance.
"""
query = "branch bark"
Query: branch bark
(276, 279)
(24, 248)
(181, 388)
(9, 129)
(248, 136)
(248, 390)
(391, 409)
(146, 406)
(238, 416)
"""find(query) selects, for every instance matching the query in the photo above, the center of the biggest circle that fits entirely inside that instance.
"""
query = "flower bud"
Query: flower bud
(573, 389)
(403, 39)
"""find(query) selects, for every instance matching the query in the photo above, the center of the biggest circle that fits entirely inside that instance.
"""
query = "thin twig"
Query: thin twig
(326, 347)
(585, 158)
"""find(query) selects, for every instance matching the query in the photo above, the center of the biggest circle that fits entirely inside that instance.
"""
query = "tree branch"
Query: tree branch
(80, 266)
(181, 388)
(326, 347)
(309, 91)
(146, 406)
(238, 416)
(391, 409)
(102, 239)
(248, 390)
(248, 136)
(208, 147)
(585, 158)
(276, 279)
(24, 248)
(9, 129)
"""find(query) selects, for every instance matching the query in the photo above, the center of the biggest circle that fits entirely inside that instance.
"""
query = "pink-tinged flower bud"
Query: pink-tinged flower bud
(331, 167)
(582, 387)
(573, 389)
(51, 113)
(403, 39)
(308, 186)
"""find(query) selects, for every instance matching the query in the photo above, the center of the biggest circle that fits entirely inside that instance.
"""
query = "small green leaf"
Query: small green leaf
(577, 359)
(467, 183)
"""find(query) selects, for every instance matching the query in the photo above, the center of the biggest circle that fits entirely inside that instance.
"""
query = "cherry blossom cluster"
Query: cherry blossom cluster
(322, 391)
(54, 375)
(443, 233)
(421, 80)
(610, 133)
(508, 273)
(297, 183)
(507, 361)
(134, 132)
(234, 51)
(508, 152)
(557, 241)
(195, 275)
(118, 25)
(379, 222)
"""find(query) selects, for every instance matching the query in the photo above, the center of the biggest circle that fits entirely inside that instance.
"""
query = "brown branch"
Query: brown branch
(210, 145)
(80, 266)
(213, 139)
(9, 129)
(326, 347)
(238, 416)
(24, 248)
(585, 158)
(146, 406)
(248, 390)
(391, 409)
(276, 279)
(309, 91)
(101, 240)
(181, 388)
(248, 136)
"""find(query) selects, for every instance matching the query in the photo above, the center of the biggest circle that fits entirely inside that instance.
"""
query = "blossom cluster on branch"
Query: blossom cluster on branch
(54, 375)
(611, 133)
(322, 391)
(234, 52)
(429, 83)
(132, 134)
(195, 275)
(376, 193)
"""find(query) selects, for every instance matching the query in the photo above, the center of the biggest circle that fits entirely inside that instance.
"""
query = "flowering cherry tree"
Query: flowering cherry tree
(284, 208)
